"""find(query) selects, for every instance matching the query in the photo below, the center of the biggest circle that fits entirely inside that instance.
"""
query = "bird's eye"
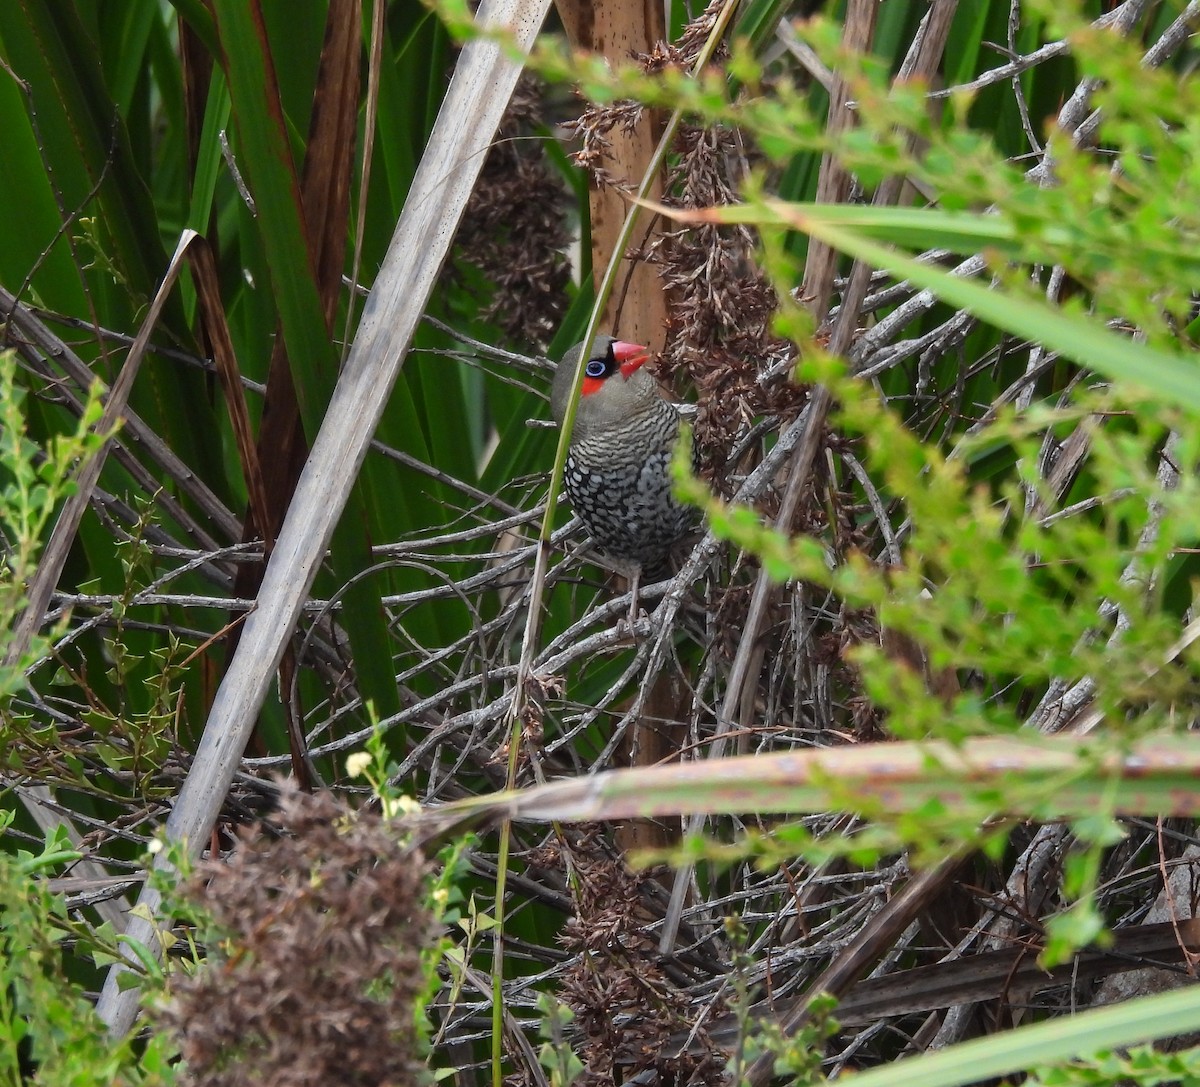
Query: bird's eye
(595, 368)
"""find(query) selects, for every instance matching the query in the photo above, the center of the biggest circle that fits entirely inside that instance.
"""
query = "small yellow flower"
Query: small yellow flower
(358, 764)
(400, 805)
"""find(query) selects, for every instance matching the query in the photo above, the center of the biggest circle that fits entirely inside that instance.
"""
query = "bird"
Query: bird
(617, 472)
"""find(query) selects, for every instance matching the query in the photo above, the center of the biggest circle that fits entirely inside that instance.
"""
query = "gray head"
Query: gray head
(615, 387)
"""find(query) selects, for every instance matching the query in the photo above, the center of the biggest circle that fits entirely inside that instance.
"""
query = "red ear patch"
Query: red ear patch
(591, 385)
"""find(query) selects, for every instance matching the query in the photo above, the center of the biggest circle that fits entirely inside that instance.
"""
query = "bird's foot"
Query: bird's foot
(627, 624)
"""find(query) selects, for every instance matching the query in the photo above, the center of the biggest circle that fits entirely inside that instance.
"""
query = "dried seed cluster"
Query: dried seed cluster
(316, 981)
(626, 1006)
(515, 227)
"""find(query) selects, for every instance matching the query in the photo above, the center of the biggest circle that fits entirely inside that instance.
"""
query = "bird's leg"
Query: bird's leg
(627, 623)
(635, 584)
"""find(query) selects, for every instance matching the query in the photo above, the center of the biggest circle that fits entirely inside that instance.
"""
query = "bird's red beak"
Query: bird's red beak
(631, 357)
